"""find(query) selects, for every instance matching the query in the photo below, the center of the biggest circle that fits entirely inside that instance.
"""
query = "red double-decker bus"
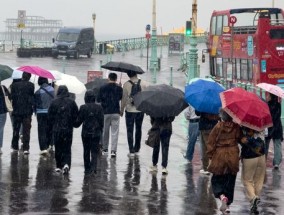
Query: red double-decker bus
(247, 45)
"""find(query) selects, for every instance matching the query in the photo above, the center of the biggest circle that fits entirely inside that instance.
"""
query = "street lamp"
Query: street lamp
(154, 58)
(94, 25)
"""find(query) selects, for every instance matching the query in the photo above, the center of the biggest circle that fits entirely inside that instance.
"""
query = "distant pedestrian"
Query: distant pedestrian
(133, 117)
(110, 96)
(62, 115)
(193, 132)
(223, 152)
(253, 165)
(43, 98)
(92, 117)
(22, 95)
(276, 132)
(164, 126)
(206, 123)
(3, 112)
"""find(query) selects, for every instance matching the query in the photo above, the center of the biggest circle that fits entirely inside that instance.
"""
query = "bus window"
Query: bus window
(219, 28)
(213, 25)
(250, 70)
(234, 73)
(238, 67)
(219, 67)
(244, 69)
(225, 21)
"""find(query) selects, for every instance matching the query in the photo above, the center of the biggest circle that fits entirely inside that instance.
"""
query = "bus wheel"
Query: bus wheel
(89, 53)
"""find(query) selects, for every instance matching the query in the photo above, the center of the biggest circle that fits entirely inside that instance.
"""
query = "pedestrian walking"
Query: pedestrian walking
(206, 123)
(22, 96)
(110, 96)
(223, 152)
(253, 165)
(276, 132)
(133, 117)
(164, 127)
(92, 117)
(193, 132)
(62, 115)
(3, 112)
(43, 98)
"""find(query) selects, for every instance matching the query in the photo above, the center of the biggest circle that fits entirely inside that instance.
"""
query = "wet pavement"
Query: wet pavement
(29, 185)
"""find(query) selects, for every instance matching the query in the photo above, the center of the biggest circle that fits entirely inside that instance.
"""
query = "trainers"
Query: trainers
(26, 152)
(43, 152)
(131, 155)
(57, 170)
(113, 154)
(105, 152)
(50, 148)
(154, 168)
(254, 203)
(224, 201)
(164, 171)
(202, 171)
(65, 169)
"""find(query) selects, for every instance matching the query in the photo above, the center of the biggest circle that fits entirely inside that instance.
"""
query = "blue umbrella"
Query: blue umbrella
(203, 95)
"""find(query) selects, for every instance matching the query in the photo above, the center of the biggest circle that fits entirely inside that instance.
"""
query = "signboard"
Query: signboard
(233, 20)
(21, 18)
(148, 36)
(176, 42)
(250, 45)
(148, 28)
(263, 65)
(92, 75)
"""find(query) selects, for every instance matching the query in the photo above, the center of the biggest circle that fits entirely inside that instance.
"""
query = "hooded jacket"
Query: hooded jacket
(223, 149)
(91, 115)
(276, 131)
(63, 111)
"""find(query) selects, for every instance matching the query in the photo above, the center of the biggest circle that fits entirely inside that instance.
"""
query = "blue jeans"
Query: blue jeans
(3, 117)
(277, 150)
(193, 132)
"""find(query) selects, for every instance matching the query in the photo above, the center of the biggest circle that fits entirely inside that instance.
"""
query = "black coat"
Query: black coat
(275, 132)
(92, 117)
(22, 96)
(63, 111)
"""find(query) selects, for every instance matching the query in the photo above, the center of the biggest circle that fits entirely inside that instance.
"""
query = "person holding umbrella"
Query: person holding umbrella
(3, 112)
(276, 132)
(223, 153)
(22, 96)
(133, 117)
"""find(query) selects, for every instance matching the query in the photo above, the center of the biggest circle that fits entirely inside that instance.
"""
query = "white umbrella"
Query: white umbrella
(72, 82)
(56, 74)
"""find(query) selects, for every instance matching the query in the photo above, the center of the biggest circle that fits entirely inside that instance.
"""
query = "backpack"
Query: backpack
(136, 87)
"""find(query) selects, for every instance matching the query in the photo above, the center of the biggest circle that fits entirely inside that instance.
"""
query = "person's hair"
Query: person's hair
(112, 76)
(42, 81)
(26, 76)
(131, 74)
(224, 116)
(273, 97)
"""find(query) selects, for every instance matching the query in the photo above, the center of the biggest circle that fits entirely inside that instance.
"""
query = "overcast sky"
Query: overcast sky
(124, 17)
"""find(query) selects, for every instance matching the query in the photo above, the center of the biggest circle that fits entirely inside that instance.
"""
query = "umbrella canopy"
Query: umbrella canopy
(56, 74)
(246, 108)
(203, 95)
(5, 72)
(73, 84)
(160, 101)
(274, 89)
(36, 70)
(123, 67)
(96, 84)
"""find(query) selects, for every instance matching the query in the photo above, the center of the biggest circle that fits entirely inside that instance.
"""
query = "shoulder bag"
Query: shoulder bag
(7, 101)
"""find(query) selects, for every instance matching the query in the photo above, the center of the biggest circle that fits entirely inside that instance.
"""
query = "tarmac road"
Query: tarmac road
(29, 185)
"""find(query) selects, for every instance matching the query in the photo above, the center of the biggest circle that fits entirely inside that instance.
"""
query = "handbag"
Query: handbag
(153, 137)
(7, 101)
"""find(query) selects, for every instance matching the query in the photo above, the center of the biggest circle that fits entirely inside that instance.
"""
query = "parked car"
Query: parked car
(74, 41)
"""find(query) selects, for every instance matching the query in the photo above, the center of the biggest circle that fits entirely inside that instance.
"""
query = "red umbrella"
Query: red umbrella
(36, 70)
(246, 108)
(274, 89)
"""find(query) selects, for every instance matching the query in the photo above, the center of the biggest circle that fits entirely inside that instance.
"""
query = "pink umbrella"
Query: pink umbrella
(36, 70)
(274, 89)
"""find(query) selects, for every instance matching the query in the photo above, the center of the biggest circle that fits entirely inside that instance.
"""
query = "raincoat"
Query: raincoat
(222, 148)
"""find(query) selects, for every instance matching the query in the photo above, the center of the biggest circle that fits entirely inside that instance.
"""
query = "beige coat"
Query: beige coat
(222, 148)
(126, 102)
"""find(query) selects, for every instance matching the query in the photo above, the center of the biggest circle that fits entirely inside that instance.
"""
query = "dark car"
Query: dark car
(74, 41)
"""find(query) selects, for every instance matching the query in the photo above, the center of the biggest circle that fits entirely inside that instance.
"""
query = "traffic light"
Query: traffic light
(188, 29)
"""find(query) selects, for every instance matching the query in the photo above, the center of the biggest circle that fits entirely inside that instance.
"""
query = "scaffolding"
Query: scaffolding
(37, 29)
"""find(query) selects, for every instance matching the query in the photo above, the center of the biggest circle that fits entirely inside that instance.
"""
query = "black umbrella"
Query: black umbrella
(96, 84)
(122, 67)
(160, 101)
(5, 72)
